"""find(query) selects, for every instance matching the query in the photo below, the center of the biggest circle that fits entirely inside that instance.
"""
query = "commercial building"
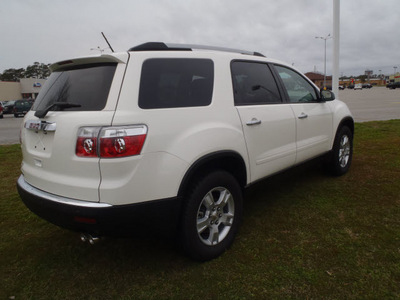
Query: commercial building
(318, 79)
(393, 78)
(24, 89)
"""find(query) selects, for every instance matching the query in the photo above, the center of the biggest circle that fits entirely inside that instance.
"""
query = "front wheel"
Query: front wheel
(211, 216)
(342, 152)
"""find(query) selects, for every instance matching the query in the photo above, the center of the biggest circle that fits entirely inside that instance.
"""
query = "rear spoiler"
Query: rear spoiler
(104, 58)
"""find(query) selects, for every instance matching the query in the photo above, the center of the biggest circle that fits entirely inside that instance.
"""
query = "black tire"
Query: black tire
(211, 216)
(342, 152)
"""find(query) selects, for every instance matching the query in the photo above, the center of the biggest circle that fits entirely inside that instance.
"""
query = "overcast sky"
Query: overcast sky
(47, 31)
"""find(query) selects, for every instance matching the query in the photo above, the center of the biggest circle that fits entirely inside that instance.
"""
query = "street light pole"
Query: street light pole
(336, 47)
(324, 38)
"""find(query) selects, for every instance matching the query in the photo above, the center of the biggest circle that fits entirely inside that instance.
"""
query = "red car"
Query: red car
(1, 111)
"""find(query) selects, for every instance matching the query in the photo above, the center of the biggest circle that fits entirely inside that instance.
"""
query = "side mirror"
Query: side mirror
(327, 95)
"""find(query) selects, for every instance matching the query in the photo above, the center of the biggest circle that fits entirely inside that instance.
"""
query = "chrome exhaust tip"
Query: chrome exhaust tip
(86, 237)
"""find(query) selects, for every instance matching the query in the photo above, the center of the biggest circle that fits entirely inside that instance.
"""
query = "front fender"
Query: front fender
(341, 116)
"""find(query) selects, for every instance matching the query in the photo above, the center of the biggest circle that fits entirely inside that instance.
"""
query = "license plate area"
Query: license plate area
(38, 125)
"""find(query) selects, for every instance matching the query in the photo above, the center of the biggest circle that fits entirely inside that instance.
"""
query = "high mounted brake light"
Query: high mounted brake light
(110, 142)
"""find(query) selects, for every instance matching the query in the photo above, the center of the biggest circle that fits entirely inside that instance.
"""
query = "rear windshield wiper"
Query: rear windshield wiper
(42, 113)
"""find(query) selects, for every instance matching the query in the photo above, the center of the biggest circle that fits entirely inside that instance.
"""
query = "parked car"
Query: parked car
(358, 86)
(351, 86)
(341, 87)
(366, 86)
(21, 107)
(393, 85)
(1, 111)
(9, 107)
(172, 135)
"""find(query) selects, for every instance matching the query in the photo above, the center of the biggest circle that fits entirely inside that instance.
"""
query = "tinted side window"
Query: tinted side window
(87, 86)
(297, 87)
(176, 82)
(253, 83)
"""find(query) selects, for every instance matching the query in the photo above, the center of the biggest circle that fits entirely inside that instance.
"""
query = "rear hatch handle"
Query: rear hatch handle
(42, 113)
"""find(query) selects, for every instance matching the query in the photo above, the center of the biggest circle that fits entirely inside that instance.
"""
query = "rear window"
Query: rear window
(176, 82)
(87, 86)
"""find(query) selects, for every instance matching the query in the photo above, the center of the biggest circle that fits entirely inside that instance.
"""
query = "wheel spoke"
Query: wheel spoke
(224, 197)
(345, 140)
(214, 235)
(227, 219)
(202, 224)
(343, 162)
(208, 200)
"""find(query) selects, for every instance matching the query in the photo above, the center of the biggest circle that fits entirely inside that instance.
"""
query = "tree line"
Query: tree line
(37, 70)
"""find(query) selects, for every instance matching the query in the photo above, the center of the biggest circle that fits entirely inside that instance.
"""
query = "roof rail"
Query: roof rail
(160, 46)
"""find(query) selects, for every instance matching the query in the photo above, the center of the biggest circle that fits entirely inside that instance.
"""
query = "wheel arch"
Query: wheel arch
(347, 121)
(229, 161)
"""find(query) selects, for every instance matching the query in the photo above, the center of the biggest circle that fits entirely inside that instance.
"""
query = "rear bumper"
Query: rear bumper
(100, 218)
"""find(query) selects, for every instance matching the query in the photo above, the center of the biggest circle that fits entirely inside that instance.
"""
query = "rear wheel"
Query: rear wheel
(211, 216)
(342, 152)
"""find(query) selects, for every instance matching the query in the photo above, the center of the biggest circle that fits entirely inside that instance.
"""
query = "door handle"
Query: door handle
(303, 116)
(253, 121)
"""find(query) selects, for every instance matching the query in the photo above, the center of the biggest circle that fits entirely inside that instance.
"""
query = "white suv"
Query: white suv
(172, 133)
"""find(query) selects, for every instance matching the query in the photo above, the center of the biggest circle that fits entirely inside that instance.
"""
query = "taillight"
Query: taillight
(122, 141)
(86, 145)
(110, 142)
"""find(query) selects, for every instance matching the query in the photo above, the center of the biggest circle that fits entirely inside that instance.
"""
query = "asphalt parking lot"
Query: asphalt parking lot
(378, 103)
(375, 104)
(9, 129)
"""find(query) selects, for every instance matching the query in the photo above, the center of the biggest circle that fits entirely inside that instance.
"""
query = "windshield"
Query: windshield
(86, 85)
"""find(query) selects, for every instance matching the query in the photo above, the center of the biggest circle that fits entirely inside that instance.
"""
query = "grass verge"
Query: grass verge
(304, 236)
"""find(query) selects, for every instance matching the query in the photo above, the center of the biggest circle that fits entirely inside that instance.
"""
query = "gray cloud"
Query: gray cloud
(48, 31)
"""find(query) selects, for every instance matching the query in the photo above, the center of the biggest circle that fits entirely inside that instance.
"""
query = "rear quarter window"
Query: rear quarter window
(86, 85)
(176, 82)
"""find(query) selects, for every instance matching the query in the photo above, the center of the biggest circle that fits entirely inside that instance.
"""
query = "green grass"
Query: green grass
(305, 235)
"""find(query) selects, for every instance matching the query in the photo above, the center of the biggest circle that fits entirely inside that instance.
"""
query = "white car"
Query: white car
(358, 86)
(172, 134)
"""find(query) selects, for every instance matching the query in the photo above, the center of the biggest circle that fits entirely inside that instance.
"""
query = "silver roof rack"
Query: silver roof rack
(159, 46)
